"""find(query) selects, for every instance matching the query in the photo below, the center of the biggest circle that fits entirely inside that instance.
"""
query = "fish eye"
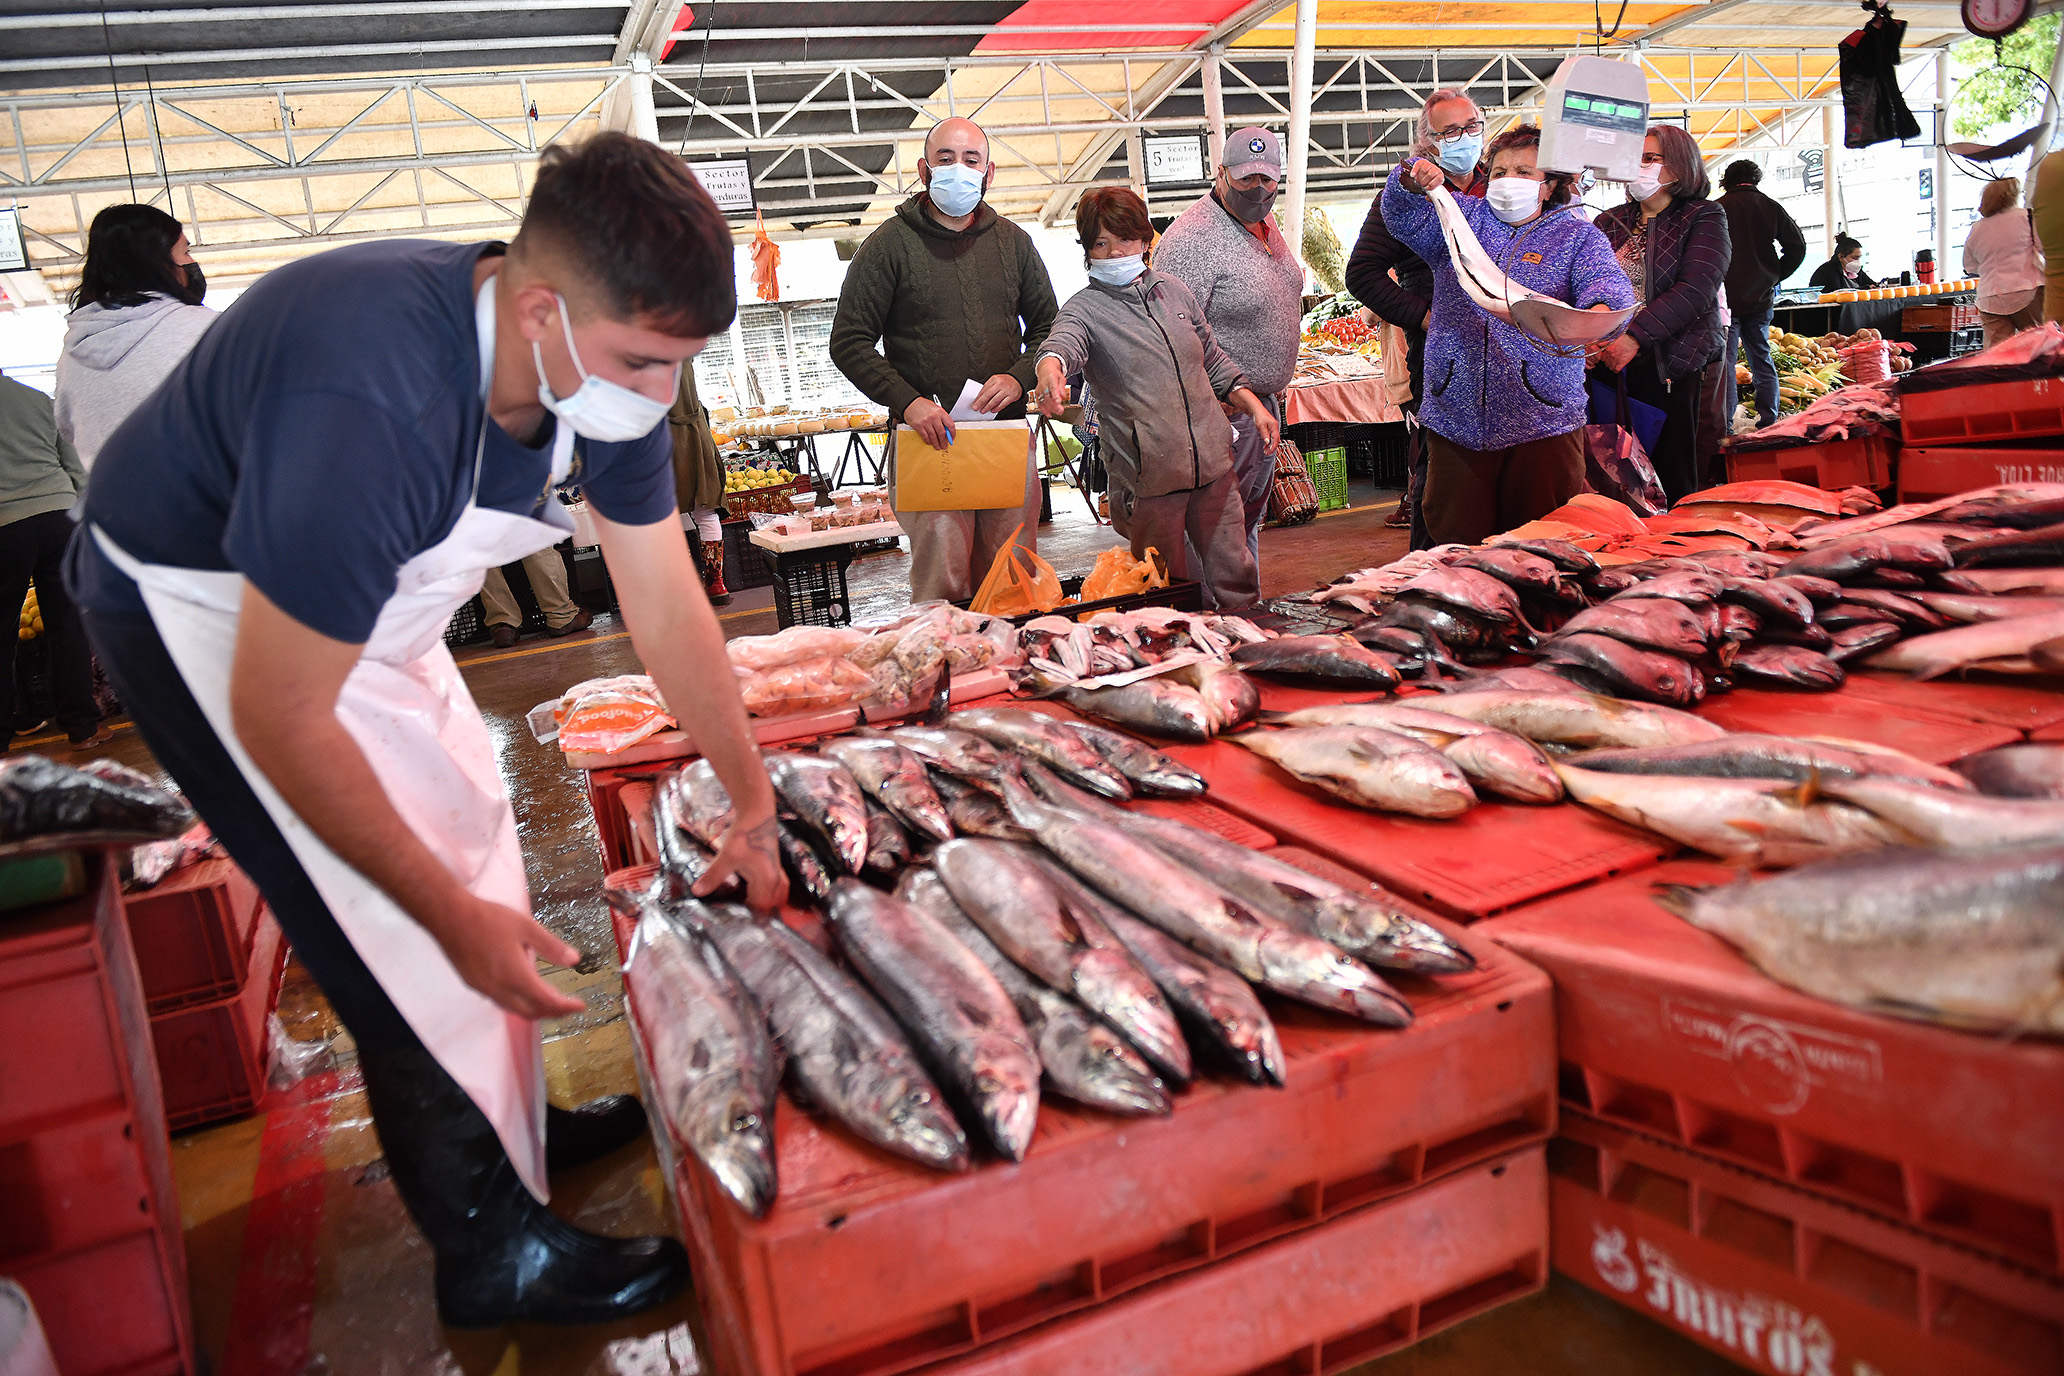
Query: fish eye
(745, 1122)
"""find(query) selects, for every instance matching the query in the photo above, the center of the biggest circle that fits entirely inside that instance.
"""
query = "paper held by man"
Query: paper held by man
(983, 469)
(1543, 317)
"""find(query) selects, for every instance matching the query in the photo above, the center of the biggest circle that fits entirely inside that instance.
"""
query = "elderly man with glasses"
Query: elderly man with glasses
(1391, 280)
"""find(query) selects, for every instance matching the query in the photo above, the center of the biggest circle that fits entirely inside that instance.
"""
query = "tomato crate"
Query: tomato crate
(1929, 471)
(89, 1218)
(903, 1266)
(213, 1059)
(1909, 722)
(1863, 462)
(1983, 412)
(1347, 1292)
(1666, 1029)
(193, 934)
(1782, 1280)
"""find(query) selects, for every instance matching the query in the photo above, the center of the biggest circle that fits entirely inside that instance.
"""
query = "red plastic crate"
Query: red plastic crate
(1782, 1281)
(1986, 411)
(1865, 462)
(1493, 857)
(901, 1266)
(1856, 711)
(212, 1059)
(193, 934)
(612, 833)
(2028, 705)
(1666, 1029)
(1929, 472)
(1344, 1293)
(89, 1220)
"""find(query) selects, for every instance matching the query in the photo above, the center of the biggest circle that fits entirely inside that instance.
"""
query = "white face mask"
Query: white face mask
(1117, 272)
(1647, 181)
(599, 409)
(955, 190)
(1513, 199)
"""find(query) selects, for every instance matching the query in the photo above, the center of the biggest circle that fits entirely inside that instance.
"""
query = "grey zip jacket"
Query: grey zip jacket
(1158, 377)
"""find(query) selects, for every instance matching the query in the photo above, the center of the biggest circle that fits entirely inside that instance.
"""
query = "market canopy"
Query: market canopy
(276, 129)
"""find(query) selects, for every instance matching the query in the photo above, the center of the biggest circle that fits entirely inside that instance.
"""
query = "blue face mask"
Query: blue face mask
(1461, 156)
(1117, 272)
(955, 190)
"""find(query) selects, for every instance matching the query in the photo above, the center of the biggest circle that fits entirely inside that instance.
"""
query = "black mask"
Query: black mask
(196, 282)
(1249, 207)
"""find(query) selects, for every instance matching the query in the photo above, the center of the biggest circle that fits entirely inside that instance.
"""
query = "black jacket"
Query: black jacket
(1768, 248)
(1828, 277)
(1688, 252)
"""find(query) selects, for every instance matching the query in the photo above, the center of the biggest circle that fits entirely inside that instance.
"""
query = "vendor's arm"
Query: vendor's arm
(1410, 215)
(1376, 252)
(284, 685)
(856, 333)
(1701, 271)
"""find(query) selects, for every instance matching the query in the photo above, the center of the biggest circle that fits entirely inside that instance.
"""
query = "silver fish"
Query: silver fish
(826, 798)
(714, 1065)
(1949, 819)
(975, 812)
(945, 997)
(1858, 642)
(1467, 590)
(1769, 822)
(1578, 720)
(1842, 560)
(1369, 767)
(700, 803)
(1519, 569)
(1654, 623)
(1749, 755)
(2016, 771)
(1152, 772)
(956, 752)
(1771, 599)
(1495, 761)
(1043, 738)
(1565, 556)
(682, 859)
(1333, 659)
(1152, 705)
(1063, 942)
(892, 776)
(1229, 695)
(1974, 939)
(1985, 644)
(806, 860)
(1820, 592)
(1082, 1059)
(845, 1054)
(1691, 585)
(1965, 608)
(1649, 675)
(888, 845)
(1792, 665)
(1216, 1005)
(2048, 581)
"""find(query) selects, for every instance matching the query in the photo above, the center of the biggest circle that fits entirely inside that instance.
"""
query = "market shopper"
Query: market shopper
(1228, 251)
(2046, 213)
(266, 560)
(2000, 252)
(699, 485)
(137, 311)
(944, 293)
(40, 478)
(1672, 243)
(1504, 418)
(1766, 247)
(1396, 283)
(1142, 342)
(545, 571)
(1844, 271)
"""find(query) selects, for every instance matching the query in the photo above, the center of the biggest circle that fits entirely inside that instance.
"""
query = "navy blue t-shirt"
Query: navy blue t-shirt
(322, 434)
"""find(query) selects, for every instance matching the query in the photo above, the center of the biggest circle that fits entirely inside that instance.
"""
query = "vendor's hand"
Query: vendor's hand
(998, 392)
(495, 949)
(1619, 353)
(1424, 173)
(930, 421)
(753, 856)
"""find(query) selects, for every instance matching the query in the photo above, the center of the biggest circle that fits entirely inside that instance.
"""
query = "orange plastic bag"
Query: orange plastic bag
(1018, 582)
(766, 262)
(605, 715)
(1117, 574)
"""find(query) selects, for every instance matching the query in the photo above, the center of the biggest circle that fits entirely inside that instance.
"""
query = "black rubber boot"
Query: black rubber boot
(576, 1136)
(501, 1256)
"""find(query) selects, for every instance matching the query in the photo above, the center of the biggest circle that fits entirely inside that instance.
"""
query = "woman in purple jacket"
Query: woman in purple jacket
(1504, 418)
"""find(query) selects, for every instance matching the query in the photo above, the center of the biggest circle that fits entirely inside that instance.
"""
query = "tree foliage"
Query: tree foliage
(1322, 251)
(1994, 85)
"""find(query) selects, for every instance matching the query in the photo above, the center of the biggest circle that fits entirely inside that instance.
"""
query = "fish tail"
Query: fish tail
(1677, 898)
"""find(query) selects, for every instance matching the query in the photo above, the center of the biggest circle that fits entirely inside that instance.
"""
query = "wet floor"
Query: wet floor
(300, 1257)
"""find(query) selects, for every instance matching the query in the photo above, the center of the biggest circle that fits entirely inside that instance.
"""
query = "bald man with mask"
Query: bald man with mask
(947, 292)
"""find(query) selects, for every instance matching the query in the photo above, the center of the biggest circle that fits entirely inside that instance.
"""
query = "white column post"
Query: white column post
(1214, 107)
(644, 117)
(1299, 142)
(1827, 174)
(2049, 120)
(1942, 270)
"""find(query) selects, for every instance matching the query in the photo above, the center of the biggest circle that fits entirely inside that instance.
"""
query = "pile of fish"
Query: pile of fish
(1060, 944)
(41, 800)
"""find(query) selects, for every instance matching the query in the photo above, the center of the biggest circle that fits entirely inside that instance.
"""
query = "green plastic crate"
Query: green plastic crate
(1328, 468)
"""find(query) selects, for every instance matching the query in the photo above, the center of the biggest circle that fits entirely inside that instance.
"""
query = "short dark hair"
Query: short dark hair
(128, 257)
(638, 226)
(1741, 172)
(1529, 136)
(1681, 160)
(1115, 208)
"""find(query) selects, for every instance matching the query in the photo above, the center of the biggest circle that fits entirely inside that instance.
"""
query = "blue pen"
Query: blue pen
(949, 420)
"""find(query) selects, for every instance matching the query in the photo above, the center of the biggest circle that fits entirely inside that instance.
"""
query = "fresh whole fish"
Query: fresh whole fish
(1846, 613)
(682, 859)
(1973, 939)
(1887, 578)
(1857, 642)
(1043, 738)
(1516, 678)
(1229, 695)
(1818, 637)
(845, 1054)
(965, 1024)
(955, 752)
(2036, 580)
(1999, 511)
(1908, 610)
(1044, 928)
(1983, 645)
(1649, 675)
(1580, 721)
(1457, 630)
(1521, 570)
(1652, 623)
(1818, 591)
(1679, 585)
(1369, 767)
(1749, 755)
(1949, 819)
(2016, 771)
(1081, 1058)
(1333, 659)
(1565, 556)
(700, 804)
(1609, 582)
(1466, 590)
(826, 799)
(1738, 623)
(1768, 822)
(1794, 666)
(1495, 761)
(1217, 1007)
(39, 796)
(895, 778)
(974, 812)
(1151, 772)
(809, 867)
(1152, 705)
(1842, 560)
(1966, 608)
(1914, 550)
(714, 1067)
(2043, 545)
(1773, 601)
(888, 845)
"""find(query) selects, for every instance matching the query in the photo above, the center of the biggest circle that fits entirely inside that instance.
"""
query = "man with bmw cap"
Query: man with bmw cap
(269, 552)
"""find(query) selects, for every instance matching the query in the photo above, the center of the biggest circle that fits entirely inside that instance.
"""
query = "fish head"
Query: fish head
(923, 1127)
(1405, 942)
(1108, 982)
(1007, 1093)
(1319, 973)
(1251, 1039)
(735, 1140)
(1092, 1064)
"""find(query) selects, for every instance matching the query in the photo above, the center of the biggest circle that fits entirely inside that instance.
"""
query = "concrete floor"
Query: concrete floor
(301, 1259)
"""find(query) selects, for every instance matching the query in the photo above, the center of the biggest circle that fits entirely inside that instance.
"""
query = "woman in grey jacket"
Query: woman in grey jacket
(1141, 341)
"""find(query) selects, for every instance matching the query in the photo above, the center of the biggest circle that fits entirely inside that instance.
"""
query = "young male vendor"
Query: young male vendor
(266, 561)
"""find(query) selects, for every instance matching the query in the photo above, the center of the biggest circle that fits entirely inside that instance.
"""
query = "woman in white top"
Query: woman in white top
(2002, 255)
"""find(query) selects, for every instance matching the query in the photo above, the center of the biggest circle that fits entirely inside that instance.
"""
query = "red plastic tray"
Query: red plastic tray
(212, 1059)
(1854, 712)
(1779, 1280)
(89, 1220)
(1865, 462)
(1343, 1294)
(2026, 706)
(1666, 1029)
(1493, 857)
(1983, 412)
(193, 934)
(1926, 472)
(869, 1265)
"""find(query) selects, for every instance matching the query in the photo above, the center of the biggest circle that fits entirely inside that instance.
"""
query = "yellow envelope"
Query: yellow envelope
(982, 470)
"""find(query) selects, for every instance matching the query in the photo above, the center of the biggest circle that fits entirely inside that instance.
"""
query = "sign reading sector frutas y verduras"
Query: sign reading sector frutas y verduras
(729, 183)
(14, 254)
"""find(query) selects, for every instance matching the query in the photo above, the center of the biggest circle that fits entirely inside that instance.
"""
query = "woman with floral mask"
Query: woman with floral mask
(1504, 418)
(1673, 243)
(1141, 341)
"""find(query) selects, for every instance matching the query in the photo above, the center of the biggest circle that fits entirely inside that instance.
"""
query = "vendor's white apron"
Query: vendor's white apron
(408, 709)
